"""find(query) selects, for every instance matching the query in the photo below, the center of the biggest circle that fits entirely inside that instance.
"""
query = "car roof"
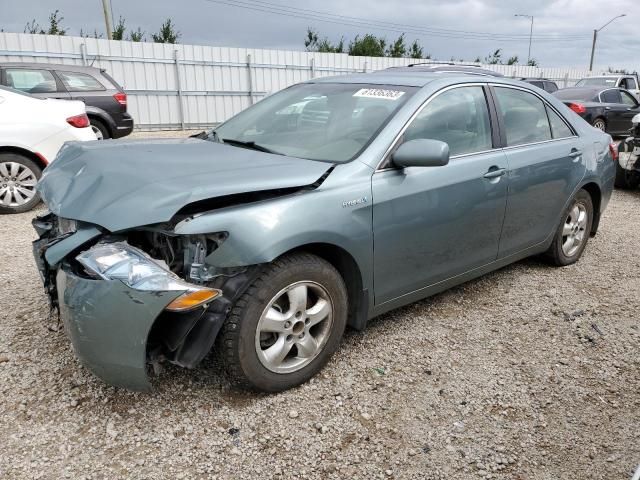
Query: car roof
(415, 75)
(537, 79)
(54, 66)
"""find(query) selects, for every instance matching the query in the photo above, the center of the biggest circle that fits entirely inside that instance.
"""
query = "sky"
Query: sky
(459, 29)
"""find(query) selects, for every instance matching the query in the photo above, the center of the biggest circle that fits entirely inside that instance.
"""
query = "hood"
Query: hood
(126, 184)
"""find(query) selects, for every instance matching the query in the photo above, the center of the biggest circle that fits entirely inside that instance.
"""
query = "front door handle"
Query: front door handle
(495, 172)
(575, 153)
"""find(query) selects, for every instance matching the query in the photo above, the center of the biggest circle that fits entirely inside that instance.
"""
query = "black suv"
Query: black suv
(105, 101)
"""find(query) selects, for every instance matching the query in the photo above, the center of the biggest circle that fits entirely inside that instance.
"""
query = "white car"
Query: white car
(32, 131)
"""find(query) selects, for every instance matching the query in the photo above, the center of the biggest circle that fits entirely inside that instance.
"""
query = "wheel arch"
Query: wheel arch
(102, 116)
(39, 160)
(594, 191)
(348, 268)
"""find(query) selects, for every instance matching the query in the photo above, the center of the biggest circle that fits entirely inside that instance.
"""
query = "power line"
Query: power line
(307, 14)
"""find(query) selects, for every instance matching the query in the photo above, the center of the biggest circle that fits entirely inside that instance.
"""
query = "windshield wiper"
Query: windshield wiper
(252, 145)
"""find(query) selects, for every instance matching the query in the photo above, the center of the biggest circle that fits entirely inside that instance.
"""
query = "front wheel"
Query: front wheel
(287, 324)
(18, 178)
(573, 233)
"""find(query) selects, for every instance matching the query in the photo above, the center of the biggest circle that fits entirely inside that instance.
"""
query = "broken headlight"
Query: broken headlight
(66, 226)
(121, 261)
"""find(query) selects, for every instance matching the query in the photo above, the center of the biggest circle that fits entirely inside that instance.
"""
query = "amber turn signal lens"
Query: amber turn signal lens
(193, 299)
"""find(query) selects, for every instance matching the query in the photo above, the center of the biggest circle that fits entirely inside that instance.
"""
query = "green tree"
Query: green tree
(532, 63)
(313, 43)
(95, 34)
(367, 46)
(137, 36)
(118, 31)
(513, 60)
(397, 49)
(477, 60)
(167, 33)
(55, 25)
(495, 58)
(416, 51)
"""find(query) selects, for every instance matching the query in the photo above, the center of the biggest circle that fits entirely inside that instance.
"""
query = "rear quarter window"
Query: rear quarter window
(79, 82)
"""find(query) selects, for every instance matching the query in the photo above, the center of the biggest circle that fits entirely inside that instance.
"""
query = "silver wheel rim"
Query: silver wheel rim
(17, 184)
(575, 229)
(98, 132)
(294, 327)
(599, 124)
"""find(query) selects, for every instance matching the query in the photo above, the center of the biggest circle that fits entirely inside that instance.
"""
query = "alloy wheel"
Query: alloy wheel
(294, 327)
(17, 184)
(574, 231)
(98, 132)
(600, 125)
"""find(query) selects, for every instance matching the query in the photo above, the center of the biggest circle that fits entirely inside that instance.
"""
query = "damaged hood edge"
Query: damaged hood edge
(125, 184)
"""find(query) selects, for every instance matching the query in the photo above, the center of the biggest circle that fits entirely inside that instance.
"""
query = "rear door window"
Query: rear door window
(611, 96)
(551, 87)
(559, 128)
(524, 116)
(458, 117)
(79, 82)
(31, 80)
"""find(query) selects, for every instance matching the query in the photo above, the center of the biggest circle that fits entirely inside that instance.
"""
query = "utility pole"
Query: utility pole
(108, 21)
(530, 17)
(595, 37)
(593, 49)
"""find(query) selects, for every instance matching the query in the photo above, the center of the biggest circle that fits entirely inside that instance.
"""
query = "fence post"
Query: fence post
(83, 54)
(312, 68)
(250, 79)
(364, 69)
(179, 88)
(566, 79)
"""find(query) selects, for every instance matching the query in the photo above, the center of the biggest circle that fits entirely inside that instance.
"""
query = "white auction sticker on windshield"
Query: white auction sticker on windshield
(379, 93)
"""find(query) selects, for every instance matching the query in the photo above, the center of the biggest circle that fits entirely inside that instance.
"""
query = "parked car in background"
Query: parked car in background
(628, 167)
(260, 234)
(105, 100)
(543, 83)
(629, 82)
(32, 130)
(608, 109)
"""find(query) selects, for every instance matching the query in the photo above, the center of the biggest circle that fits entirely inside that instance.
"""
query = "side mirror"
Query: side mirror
(421, 153)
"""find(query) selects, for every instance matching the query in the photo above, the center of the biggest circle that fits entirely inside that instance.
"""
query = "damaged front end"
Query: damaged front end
(136, 298)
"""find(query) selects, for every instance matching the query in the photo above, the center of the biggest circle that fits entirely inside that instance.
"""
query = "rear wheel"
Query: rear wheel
(99, 128)
(600, 124)
(573, 233)
(626, 179)
(18, 178)
(287, 324)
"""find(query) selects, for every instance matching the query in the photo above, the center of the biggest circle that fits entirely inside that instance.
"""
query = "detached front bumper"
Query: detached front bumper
(108, 324)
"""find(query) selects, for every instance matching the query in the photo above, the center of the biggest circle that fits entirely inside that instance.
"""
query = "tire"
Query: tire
(626, 179)
(289, 329)
(600, 124)
(18, 175)
(561, 253)
(100, 129)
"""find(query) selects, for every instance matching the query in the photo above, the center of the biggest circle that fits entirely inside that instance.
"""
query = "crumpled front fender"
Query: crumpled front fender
(108, 324)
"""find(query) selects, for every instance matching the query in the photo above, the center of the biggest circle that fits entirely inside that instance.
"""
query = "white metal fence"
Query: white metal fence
(194, 86)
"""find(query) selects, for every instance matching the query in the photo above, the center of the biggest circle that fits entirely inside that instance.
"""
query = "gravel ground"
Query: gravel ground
(528, 373)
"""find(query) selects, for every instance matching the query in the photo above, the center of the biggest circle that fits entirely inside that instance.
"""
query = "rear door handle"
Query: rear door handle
(575, 153)
(495, 172)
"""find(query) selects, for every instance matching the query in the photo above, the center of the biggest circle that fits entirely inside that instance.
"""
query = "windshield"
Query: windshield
(318, 121)
(607, 81)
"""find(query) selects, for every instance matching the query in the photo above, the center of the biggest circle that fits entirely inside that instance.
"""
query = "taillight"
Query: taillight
(578, 108)
(79, 121)
(121, 98)
(613, 148)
